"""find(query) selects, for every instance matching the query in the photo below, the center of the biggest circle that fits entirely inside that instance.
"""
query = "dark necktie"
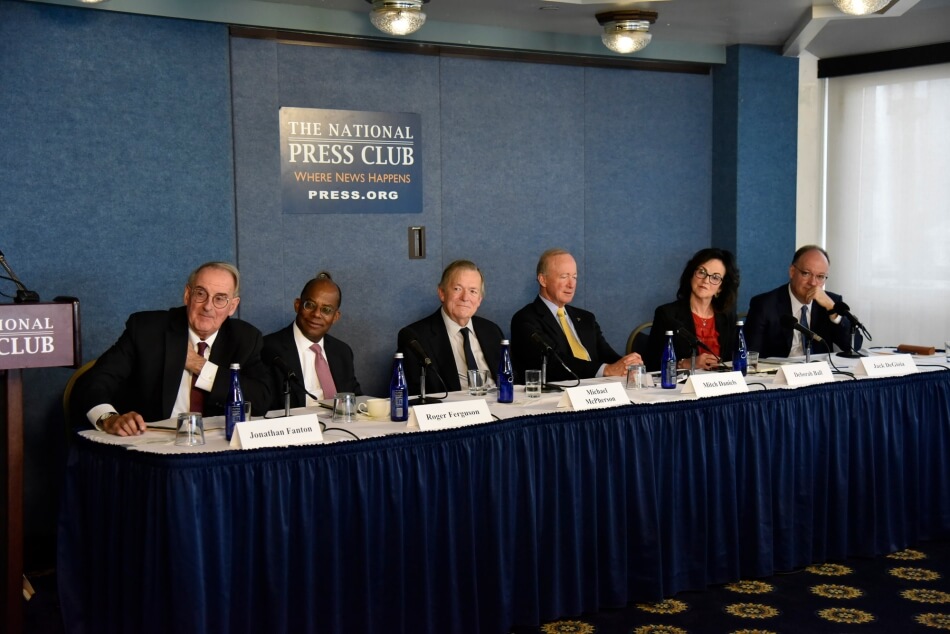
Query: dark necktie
(803, 320)
(467, 347)
(197, 403)
(323, 372)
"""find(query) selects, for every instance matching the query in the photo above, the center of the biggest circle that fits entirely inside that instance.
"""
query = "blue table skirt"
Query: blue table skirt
(516, 522)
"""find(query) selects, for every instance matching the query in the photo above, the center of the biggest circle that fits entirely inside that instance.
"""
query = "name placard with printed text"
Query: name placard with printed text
(891, 365)
(599, 396)
(715, 384)
(448, 415)
(804, 374)
(277, 432)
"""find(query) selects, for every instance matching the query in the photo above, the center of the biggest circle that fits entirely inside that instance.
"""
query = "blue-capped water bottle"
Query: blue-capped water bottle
(398, 391)
(740, 361)
(234, 413)
(668, 364)
(505, 379)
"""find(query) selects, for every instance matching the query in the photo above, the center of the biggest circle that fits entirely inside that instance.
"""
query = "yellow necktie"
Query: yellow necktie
(576, 347)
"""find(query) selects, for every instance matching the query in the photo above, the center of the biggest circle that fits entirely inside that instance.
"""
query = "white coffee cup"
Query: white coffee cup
(374, 407)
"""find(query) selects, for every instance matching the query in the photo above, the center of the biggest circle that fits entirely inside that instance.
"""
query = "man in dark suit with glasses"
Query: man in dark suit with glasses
(322, 363)
(805, 298)
(177, 360)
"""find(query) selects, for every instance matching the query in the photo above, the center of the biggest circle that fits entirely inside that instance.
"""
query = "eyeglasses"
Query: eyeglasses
(310, 306)
(807, 275)
(714, 278)
(200, 296)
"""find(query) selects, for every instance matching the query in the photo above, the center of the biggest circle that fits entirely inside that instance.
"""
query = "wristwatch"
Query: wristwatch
(102, 419)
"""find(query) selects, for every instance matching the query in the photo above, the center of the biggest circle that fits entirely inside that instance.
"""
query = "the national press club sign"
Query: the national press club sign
(350, 161)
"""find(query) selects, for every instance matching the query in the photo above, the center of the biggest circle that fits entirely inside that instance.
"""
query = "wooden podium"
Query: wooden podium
(34, 335)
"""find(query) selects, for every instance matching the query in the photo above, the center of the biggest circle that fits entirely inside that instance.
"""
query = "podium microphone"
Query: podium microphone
(23, 296)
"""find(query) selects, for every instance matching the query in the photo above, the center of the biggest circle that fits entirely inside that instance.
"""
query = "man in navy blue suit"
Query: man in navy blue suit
(805, 298)
(297, 345)
(572, 332)
(443, 334)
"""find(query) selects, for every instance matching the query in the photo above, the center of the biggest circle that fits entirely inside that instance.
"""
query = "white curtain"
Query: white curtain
(887, 201)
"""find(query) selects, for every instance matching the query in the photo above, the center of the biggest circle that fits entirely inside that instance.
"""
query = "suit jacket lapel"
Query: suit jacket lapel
(552, 328)
(444, 359)
(785, 308)
(176, 342)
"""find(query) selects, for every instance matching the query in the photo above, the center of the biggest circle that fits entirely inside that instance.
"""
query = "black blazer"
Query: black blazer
(431, 334)
(765, 333)
(142, 370)
(676, 315)
(282, 344)
(536, 317)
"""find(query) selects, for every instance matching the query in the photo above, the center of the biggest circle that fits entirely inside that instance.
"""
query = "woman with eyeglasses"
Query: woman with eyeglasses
(704, 311)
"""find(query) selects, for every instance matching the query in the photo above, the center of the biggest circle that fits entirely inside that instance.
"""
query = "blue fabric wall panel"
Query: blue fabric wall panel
(513, 172)
(115, 181)
(121, 133)
(367, 253)
(647, 190)
(768, 150)
(261, 244)
(755, 160)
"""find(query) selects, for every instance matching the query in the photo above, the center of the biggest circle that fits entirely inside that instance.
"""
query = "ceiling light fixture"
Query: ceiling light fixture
(626, 31)
(860, 7)
(397, 17)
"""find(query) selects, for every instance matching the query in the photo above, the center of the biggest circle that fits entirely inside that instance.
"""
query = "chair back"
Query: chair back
(68, 392)
(639, 338)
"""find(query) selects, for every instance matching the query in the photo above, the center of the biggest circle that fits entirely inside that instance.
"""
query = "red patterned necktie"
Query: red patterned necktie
(197, 403)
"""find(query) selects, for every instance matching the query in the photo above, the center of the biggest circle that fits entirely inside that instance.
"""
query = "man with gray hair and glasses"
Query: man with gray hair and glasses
(805, 298)
(172, 361)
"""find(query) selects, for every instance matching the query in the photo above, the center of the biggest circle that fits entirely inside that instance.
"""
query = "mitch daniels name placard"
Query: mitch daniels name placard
(350, 161)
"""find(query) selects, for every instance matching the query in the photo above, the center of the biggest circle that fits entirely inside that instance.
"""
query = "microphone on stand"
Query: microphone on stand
(844, 310)
(289, 374)
(419, 352)
(546, 350)
(790, 321)
(696, 343)
(284, 368)
(23, 296)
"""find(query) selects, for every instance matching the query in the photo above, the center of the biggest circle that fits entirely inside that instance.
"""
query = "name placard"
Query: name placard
(599, 396)
(277, 432)
(804, 374)
(892, 365)
(715, 384)
(448, 415)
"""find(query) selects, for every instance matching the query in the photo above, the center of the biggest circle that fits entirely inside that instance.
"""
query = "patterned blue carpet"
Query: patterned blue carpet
(904, 592)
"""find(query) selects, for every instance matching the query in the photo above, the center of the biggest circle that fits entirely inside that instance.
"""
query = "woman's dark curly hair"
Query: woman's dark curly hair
(725, 300)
